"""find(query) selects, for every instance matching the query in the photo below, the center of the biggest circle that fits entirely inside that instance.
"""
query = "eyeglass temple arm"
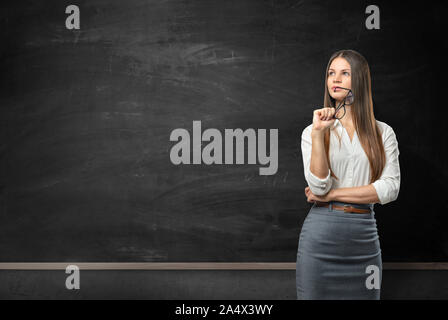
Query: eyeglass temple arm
(344, 88)
(339, 107)
(341, 104)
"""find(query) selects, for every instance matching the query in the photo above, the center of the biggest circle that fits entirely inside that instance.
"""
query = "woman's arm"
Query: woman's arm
(388, 185)
(318, 164)
(312, 147)
(317, 171)
(364, 194)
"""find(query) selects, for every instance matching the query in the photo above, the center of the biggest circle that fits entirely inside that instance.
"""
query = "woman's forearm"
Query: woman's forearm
(363, 194)
(318, 163)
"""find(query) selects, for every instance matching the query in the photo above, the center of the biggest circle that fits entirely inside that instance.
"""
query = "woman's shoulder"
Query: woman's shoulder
(384, 127)
(307, 130)
(386, 130)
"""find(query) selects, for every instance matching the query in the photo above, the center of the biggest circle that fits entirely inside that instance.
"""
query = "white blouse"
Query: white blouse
(351, 165)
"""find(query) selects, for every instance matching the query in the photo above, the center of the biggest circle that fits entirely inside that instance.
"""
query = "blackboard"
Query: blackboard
(86, 117)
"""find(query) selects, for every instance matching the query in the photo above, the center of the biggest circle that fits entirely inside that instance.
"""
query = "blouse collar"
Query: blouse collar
(336, 123)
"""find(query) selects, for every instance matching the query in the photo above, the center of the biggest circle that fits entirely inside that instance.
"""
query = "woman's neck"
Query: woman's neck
(347, 120)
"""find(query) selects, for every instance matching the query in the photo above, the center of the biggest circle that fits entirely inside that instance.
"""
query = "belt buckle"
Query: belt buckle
(346, 206)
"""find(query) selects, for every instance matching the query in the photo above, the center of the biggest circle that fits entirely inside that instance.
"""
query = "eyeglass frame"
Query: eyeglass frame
(342, 104)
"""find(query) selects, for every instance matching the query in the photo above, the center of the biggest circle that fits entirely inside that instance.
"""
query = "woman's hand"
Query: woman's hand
(311, 197)
(323, 118)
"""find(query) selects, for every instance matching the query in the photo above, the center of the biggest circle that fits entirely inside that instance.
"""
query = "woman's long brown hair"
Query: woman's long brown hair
(368, 131)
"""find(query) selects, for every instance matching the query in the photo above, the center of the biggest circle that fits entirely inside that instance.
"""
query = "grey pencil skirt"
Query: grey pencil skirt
(338, 255)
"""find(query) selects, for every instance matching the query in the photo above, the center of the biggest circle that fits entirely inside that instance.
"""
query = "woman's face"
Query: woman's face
(339, 74)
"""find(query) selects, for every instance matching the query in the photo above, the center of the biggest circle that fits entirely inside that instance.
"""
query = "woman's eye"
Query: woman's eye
(345, 73)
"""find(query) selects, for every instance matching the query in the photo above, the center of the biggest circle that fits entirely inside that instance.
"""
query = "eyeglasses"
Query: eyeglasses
(348, 100)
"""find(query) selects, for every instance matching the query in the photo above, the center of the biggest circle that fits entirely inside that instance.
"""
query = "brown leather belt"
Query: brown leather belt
(345, 208)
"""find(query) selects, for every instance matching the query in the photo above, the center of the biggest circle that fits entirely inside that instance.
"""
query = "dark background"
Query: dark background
(86, 115)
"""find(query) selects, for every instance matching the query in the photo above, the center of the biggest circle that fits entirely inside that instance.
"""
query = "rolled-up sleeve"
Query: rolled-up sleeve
(318, 186)
(388, 185)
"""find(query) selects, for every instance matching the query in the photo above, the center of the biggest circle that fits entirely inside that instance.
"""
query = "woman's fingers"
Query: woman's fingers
(323, 114)
(330, 113)
(326, 114)
(307, 190)
(308, 194)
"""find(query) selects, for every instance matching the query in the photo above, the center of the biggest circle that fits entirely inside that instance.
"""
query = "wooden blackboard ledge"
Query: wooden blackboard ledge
(198, 265)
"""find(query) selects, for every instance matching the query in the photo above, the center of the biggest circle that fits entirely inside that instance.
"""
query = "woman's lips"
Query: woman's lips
(336, 88)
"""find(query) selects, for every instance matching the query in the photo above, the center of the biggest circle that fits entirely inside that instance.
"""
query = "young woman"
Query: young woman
(350, 163)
